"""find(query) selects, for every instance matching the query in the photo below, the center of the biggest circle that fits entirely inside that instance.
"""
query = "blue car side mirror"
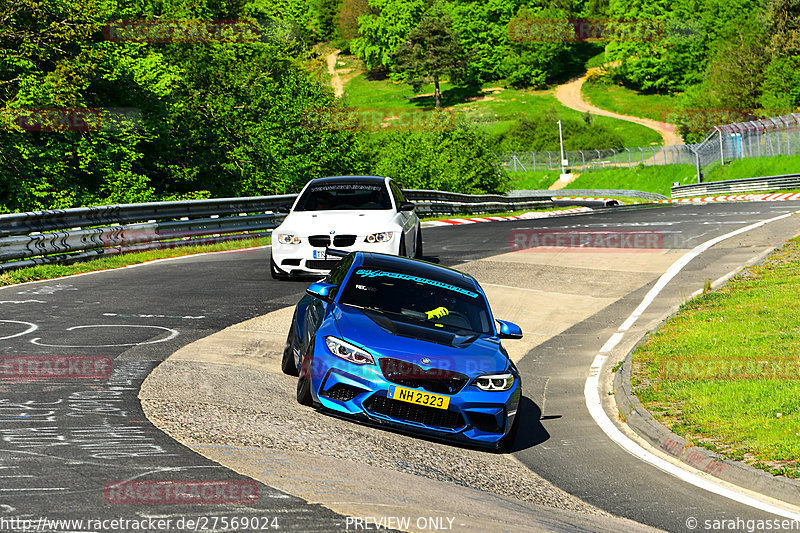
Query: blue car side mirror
(320, 289)
(509, 330)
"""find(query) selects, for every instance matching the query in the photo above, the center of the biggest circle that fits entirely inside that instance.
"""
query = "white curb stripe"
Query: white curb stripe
(591, 390)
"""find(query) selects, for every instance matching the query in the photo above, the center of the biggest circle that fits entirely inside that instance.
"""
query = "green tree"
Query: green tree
(384, 28)
(451, 159)
(431, 52)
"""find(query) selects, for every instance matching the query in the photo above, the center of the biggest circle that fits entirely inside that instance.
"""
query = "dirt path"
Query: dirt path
(336, 80)
(570, 96)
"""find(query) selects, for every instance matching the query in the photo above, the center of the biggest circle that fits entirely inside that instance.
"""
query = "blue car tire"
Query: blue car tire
(288, 364)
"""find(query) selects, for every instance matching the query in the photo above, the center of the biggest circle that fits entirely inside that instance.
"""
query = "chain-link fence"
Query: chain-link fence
(764, 137)
(758, 138)
(587, 160)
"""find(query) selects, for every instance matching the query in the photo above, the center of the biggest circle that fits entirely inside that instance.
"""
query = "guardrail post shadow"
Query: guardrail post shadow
(697, 164)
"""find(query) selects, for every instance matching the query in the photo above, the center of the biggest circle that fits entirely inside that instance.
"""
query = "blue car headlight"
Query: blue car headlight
(495, 382)
(348, 352)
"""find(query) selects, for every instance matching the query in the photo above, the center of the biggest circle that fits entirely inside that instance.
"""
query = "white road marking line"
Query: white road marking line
(33, 488)
(171, 336)
(31, 329)
(591, 390)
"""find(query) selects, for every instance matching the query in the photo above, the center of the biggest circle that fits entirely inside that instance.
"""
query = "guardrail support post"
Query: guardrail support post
(721, 147)
(630, 163)
(583, 162)
(533, 154)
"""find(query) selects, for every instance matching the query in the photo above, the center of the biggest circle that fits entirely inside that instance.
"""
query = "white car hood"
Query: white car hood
(304, 223)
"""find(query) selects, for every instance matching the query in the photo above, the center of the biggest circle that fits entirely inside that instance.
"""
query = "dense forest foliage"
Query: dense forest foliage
(207, 113)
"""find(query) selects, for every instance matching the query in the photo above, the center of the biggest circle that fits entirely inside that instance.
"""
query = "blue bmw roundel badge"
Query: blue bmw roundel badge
(425, 361)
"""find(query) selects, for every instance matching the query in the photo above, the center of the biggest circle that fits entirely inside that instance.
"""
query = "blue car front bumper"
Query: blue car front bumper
(473, 416)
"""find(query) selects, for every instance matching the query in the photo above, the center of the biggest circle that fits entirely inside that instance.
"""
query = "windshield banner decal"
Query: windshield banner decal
(366, 273)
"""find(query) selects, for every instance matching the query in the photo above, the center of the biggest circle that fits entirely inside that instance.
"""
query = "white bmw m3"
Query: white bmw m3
(367, 213)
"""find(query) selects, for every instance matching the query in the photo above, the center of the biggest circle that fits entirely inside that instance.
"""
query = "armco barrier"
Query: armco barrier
(766, 183)
(69, 235)
(626, 193)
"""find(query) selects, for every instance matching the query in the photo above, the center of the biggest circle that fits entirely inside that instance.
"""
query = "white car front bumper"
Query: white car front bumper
(305, 259)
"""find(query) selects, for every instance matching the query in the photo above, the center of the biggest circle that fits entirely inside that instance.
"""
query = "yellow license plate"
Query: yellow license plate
(420, 398)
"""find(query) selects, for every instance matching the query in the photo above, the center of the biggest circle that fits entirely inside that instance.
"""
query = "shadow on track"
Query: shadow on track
(531, 431)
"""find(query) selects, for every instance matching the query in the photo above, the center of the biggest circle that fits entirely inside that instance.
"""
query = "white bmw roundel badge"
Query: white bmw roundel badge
(425, 361)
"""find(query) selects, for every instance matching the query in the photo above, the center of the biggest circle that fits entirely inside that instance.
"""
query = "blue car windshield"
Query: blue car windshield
(419, 300)
(344, 196)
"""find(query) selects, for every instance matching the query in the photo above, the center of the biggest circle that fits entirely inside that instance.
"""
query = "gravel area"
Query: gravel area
(199, 403)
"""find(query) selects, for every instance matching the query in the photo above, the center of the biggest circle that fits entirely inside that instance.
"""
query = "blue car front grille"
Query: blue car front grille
(409, 412)
(436, 380)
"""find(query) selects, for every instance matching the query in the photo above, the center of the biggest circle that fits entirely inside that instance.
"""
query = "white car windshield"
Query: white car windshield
(344, 196)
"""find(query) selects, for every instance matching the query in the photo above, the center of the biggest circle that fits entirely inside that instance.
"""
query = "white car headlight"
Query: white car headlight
(348, 352)
(288, 238)
(495, 382)
(383, 236)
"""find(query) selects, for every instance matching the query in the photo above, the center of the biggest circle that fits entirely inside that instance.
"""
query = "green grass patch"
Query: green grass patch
(629, 102)
(532, 180)
(754, 168)
(40, 272)
(657, 179)
(491, 108)
(723, 372)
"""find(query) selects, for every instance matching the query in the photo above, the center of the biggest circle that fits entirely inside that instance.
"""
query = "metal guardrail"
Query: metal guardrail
(450, 203)
(627, 193)
(766, 183)
(70, 235)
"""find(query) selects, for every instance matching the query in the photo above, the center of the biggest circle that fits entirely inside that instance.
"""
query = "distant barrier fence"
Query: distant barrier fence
(588, 160)
(764, 137)
(70, 235)
(768, 183)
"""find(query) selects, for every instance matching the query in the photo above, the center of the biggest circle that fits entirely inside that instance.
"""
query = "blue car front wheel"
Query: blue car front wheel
(304, 396)
(288, 364)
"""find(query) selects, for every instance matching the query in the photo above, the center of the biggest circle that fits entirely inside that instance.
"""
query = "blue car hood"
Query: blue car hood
(471, 355)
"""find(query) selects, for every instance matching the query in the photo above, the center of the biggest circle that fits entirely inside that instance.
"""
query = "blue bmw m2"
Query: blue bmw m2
(406, 344)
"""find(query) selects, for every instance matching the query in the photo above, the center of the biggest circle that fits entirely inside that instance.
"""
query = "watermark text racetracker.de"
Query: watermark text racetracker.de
(152, 523)
(741, 524)
(54, 367)
(538, 239)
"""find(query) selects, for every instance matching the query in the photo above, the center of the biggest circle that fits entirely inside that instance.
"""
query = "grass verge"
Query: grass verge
(629, 102)
(40, 272)
(754, 168)
(387, 104)
(723, 372)
(648, 179)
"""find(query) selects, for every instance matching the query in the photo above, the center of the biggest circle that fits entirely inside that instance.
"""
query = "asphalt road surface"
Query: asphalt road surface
(67, 445)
